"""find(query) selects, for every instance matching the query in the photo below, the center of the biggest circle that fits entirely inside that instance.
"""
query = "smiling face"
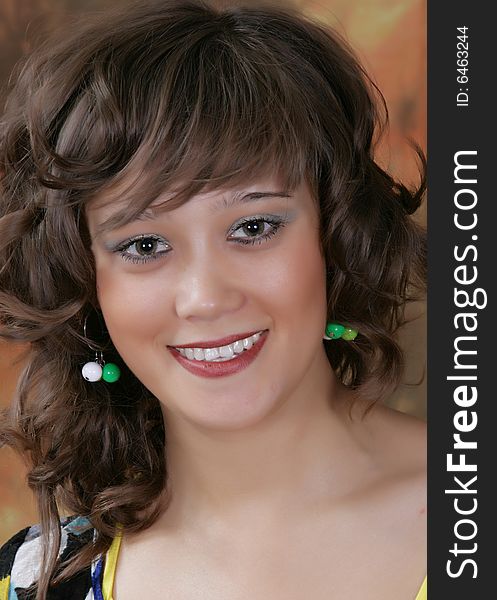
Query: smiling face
(225, 263)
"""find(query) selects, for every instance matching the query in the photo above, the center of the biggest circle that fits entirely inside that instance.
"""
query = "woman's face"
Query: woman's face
(225, 263)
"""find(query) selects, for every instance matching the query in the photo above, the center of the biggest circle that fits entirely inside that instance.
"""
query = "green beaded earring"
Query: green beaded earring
(334, 331)
(98, 369)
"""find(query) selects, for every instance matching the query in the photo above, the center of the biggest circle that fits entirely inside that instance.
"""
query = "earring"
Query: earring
(98, 369)
(334, 331)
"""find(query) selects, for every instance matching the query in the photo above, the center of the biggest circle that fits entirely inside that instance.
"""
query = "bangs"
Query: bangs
(217, 109)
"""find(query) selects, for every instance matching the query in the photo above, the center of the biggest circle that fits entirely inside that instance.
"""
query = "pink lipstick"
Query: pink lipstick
(216, 343)
(220, 369)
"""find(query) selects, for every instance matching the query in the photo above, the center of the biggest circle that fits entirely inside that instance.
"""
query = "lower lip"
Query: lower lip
(221, 369)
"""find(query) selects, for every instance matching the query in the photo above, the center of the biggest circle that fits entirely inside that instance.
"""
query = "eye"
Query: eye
(145, 249)
(254, 230)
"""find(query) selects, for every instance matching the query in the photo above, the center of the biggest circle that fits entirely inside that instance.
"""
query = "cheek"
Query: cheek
(295, 284)
(132, 305)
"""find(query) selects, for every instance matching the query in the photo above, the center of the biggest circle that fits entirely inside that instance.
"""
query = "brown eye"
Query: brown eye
(146, 246)
(143, 249)
(257, 230)
(253, 228)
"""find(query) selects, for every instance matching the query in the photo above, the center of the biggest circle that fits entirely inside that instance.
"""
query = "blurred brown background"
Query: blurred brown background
(389, 37)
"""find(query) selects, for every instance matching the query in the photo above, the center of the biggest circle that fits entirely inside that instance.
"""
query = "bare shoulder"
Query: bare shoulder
(393, 506)
(400, 439)
(397, 445)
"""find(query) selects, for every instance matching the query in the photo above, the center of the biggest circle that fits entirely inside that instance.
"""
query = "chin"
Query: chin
(228, 415)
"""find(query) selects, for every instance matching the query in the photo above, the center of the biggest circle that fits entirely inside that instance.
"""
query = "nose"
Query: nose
(208, 289)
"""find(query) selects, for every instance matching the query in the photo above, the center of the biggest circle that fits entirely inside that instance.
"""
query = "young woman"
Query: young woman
(210, 268)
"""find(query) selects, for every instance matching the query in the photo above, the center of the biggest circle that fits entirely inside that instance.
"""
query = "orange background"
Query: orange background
(390, 39)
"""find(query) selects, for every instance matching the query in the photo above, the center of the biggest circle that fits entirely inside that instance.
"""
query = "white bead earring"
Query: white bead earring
(98, 369)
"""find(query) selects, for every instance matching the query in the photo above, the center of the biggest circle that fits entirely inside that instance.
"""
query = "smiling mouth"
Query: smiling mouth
(220, 353)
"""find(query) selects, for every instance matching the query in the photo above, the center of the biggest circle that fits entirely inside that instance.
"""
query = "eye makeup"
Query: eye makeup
(144, 243)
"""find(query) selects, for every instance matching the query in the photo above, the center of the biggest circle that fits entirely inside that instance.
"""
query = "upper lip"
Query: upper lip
(220, 342)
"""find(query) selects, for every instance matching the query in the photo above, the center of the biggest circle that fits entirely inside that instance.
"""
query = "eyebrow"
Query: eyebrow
(224, 203)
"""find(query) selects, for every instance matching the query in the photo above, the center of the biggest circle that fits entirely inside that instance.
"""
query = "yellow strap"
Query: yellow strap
(110, 567)
(110, 571)
(422, 594)
(4, 588)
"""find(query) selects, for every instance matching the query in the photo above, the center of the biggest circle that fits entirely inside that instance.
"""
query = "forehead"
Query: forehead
(101, 210)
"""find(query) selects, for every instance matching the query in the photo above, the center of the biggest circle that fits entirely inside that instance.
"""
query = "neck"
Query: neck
(301, 454)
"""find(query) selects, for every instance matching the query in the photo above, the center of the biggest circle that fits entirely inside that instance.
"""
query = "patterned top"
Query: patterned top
(20, 556)
(20, 564)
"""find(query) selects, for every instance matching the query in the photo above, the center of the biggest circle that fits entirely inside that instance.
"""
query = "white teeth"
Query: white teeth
(238, 346)
(227, 351)
(198, 354)
(222, 353)
(211, 353)
(248, 343)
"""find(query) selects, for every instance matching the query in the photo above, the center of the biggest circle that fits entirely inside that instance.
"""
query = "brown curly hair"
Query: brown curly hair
(192, 96)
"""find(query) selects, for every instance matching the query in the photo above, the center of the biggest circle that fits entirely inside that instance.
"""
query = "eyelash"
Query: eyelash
(276, 223)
